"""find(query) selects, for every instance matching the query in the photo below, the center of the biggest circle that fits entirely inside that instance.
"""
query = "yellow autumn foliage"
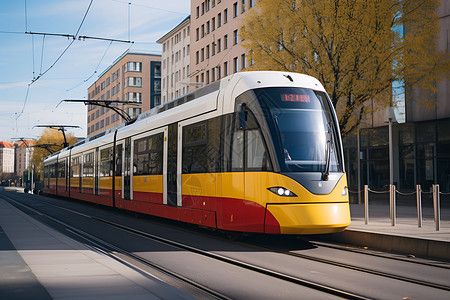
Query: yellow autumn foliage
(51, 141)
(356, 48)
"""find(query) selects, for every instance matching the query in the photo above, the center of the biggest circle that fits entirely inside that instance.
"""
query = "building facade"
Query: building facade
(132, 77)
(175, 61)
(421, 145)
(216, 49)
(6, 160)
(23, 152)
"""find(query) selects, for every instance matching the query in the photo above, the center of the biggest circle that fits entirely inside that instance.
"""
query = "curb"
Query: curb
(407, 245)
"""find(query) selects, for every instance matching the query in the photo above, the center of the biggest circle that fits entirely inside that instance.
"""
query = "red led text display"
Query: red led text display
(294, 98)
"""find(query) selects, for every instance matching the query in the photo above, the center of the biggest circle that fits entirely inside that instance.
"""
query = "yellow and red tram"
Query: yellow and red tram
(254, 152)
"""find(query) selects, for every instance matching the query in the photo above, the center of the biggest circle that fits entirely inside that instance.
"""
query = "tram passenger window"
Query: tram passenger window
(118, 160)
(148, 155)
(106, 162)
(76, 167)
(237, 151)
(201, 147)
(88, 165)
(256, 154)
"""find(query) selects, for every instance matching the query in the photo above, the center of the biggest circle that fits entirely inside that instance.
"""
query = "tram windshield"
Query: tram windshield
(303, 129)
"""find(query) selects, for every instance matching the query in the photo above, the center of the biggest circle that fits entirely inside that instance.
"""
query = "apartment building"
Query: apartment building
(23, 152)
(175, 61)
(6, 160)
(216, 49)
(134, 76)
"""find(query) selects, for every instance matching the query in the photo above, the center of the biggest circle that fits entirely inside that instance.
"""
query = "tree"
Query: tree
(50, 141)
(356, 48)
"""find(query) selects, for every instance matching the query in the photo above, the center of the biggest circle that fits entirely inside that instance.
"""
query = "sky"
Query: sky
(33, 81)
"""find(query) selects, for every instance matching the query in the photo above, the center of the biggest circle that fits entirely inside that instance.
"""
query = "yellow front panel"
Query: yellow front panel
(256, 184)
(147, 183)
(311, 218)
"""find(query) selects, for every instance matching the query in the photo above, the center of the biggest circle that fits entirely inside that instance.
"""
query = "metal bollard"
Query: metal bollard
(437, 206)
(419, 205)
(392, 203)
(366, 204)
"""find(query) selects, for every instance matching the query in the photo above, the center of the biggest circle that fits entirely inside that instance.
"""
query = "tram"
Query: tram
(256, 152)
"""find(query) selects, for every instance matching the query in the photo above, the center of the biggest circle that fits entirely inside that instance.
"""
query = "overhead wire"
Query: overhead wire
(56, 61)
(95, 71)
(67, 48)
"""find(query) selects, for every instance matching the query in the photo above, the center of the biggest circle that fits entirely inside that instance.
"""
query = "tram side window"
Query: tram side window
(237, 147)
(201, 147)
(118, 160)
(88, 165)
(148, 155)
(51, 172)
(76, 166)
(106, 162)
(257, 157)
(61, 169)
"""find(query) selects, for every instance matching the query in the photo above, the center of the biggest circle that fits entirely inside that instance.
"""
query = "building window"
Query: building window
(219, 20)
(218, 72)
(235, 65)
(213, 24)
(207, 77)
(225, 68)
(242, 61)
(235, 10)
(197, 55)
(197, 34)
(136, 97)
(225, 42)
(133, 66)
(242, 6)
(213, 49)
(207, 52)
(252, 3)
(133, 81)
(213, 75)
(219, 45)
(203, 30)
(207, 27)
(203, 54)
(198, 11)
(225, 16)
(115, 75)
(108, 81)
(235, 37)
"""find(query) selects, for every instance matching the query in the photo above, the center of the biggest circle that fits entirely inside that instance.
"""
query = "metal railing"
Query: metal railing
(393, 206)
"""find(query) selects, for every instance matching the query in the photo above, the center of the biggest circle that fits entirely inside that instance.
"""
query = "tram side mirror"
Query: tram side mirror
(242, 116)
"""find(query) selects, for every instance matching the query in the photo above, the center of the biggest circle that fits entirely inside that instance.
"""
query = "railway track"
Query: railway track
(117, 251)
(114, 252)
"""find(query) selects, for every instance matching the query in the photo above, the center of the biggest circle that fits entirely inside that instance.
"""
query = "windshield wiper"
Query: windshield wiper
(326, 171)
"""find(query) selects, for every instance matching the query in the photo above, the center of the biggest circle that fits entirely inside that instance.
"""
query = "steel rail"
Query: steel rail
(265, 271)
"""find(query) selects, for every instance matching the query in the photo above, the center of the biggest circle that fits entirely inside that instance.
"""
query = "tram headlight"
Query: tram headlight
(345, 191)
(281, 191)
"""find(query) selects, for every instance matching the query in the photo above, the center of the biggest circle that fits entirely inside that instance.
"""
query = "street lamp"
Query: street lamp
(390, 118)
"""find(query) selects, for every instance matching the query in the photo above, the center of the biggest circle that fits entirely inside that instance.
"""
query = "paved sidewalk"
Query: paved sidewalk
(37, 262)
(405, 236)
